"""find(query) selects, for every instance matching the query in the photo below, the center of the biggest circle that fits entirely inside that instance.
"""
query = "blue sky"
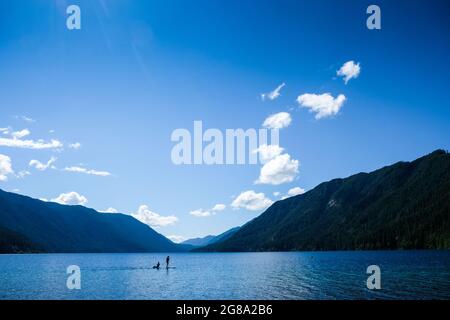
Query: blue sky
(137, 70)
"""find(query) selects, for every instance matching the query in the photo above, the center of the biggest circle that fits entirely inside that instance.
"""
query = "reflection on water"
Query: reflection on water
(274, 275)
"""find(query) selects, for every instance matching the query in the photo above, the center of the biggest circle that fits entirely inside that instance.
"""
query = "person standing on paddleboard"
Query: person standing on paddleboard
(167, 262)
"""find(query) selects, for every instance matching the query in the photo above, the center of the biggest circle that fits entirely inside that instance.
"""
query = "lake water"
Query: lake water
(285, 275)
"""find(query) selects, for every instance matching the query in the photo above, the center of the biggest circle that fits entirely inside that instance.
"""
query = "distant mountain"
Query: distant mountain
(402, 206)
(30, 225)
(225, 235)
(200, 242)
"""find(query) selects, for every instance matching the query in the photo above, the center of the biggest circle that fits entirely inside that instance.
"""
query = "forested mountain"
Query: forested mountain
(30, 225)
(402, 206)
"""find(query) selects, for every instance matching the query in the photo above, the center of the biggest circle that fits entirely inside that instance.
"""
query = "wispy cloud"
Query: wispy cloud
(20, 134)
(219, 207)
(272, 95)
(22, 174)
(87, 171)
(30, 144)
(42, 166)
(75, 145)
(25, 118)
(200, 213)
(110, 210)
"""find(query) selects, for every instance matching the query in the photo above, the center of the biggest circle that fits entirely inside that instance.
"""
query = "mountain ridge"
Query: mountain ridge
(405, 205)
(210, 239)
(401, 206)
(52, 227)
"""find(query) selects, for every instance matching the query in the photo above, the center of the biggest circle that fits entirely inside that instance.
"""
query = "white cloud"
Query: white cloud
(281, 169)
(277, 167)
(296, 191)
(75, 145)
(176, 239)
(251, 200)
(219, 207)
(70, 198)
(293, 192)
(273, 94)
(5, 167)
(25, 118)
(87, 171)
(110, 210)
(276, 193)
(42, 166)
(268, 152)
(324, 105)
(153, 219)
(349, 70)
(22, 174)
(30, 144)
(200, 213)
(20, 134)
(278, 121)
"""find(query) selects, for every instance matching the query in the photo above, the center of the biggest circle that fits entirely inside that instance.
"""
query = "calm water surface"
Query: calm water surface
(293, 275)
